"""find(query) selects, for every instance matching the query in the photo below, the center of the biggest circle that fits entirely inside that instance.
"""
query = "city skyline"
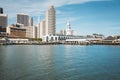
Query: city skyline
(87, 17)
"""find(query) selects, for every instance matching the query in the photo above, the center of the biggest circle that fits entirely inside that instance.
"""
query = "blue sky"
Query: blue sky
(86, 16)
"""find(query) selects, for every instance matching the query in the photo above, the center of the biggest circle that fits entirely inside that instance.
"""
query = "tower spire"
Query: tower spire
(68, 29)
(68, 24)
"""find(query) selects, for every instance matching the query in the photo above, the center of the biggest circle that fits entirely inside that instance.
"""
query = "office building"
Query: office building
(16, 32)
(23, 19)
(3, 22)
(50, 21)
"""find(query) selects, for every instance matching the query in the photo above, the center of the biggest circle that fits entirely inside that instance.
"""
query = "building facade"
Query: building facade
(31, 32)
(50, 21)
(16, 32)
(23, 19)
(3, 22)
(59, 38)
(21, 32)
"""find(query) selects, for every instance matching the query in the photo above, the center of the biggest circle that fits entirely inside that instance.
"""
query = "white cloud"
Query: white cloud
(34, 7)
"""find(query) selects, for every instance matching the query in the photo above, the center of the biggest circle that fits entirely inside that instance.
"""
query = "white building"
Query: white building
(47, 26)
(31, 32)
(18, 40)
(50, 21)
(59, 38)
(42, 28)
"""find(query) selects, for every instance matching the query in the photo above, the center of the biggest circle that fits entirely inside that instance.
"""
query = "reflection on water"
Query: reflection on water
(59, 62)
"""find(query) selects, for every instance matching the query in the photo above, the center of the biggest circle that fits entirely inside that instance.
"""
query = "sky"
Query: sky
(86, 16)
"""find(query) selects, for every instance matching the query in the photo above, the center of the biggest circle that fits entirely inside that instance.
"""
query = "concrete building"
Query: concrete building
(16, 32)
(21, 32)
(3, 22)
(31, 32)
(23, 19)
(50, 21)
(1, 10)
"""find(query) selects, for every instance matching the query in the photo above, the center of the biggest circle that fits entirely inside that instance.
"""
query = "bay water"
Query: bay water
(59, 62)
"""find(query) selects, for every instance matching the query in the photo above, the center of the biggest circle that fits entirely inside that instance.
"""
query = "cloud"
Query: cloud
(35, 7)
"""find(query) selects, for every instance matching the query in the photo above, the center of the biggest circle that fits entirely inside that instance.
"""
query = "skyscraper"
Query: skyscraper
(50, 21)
(1, 10)
(3, 22)
(23, 19)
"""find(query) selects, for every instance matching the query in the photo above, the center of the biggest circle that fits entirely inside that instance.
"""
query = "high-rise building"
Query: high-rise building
(31, 32)
(50, 21)
(30, 21)
(42, 28)
(3, 22)
(23, 19)
(1, 10)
